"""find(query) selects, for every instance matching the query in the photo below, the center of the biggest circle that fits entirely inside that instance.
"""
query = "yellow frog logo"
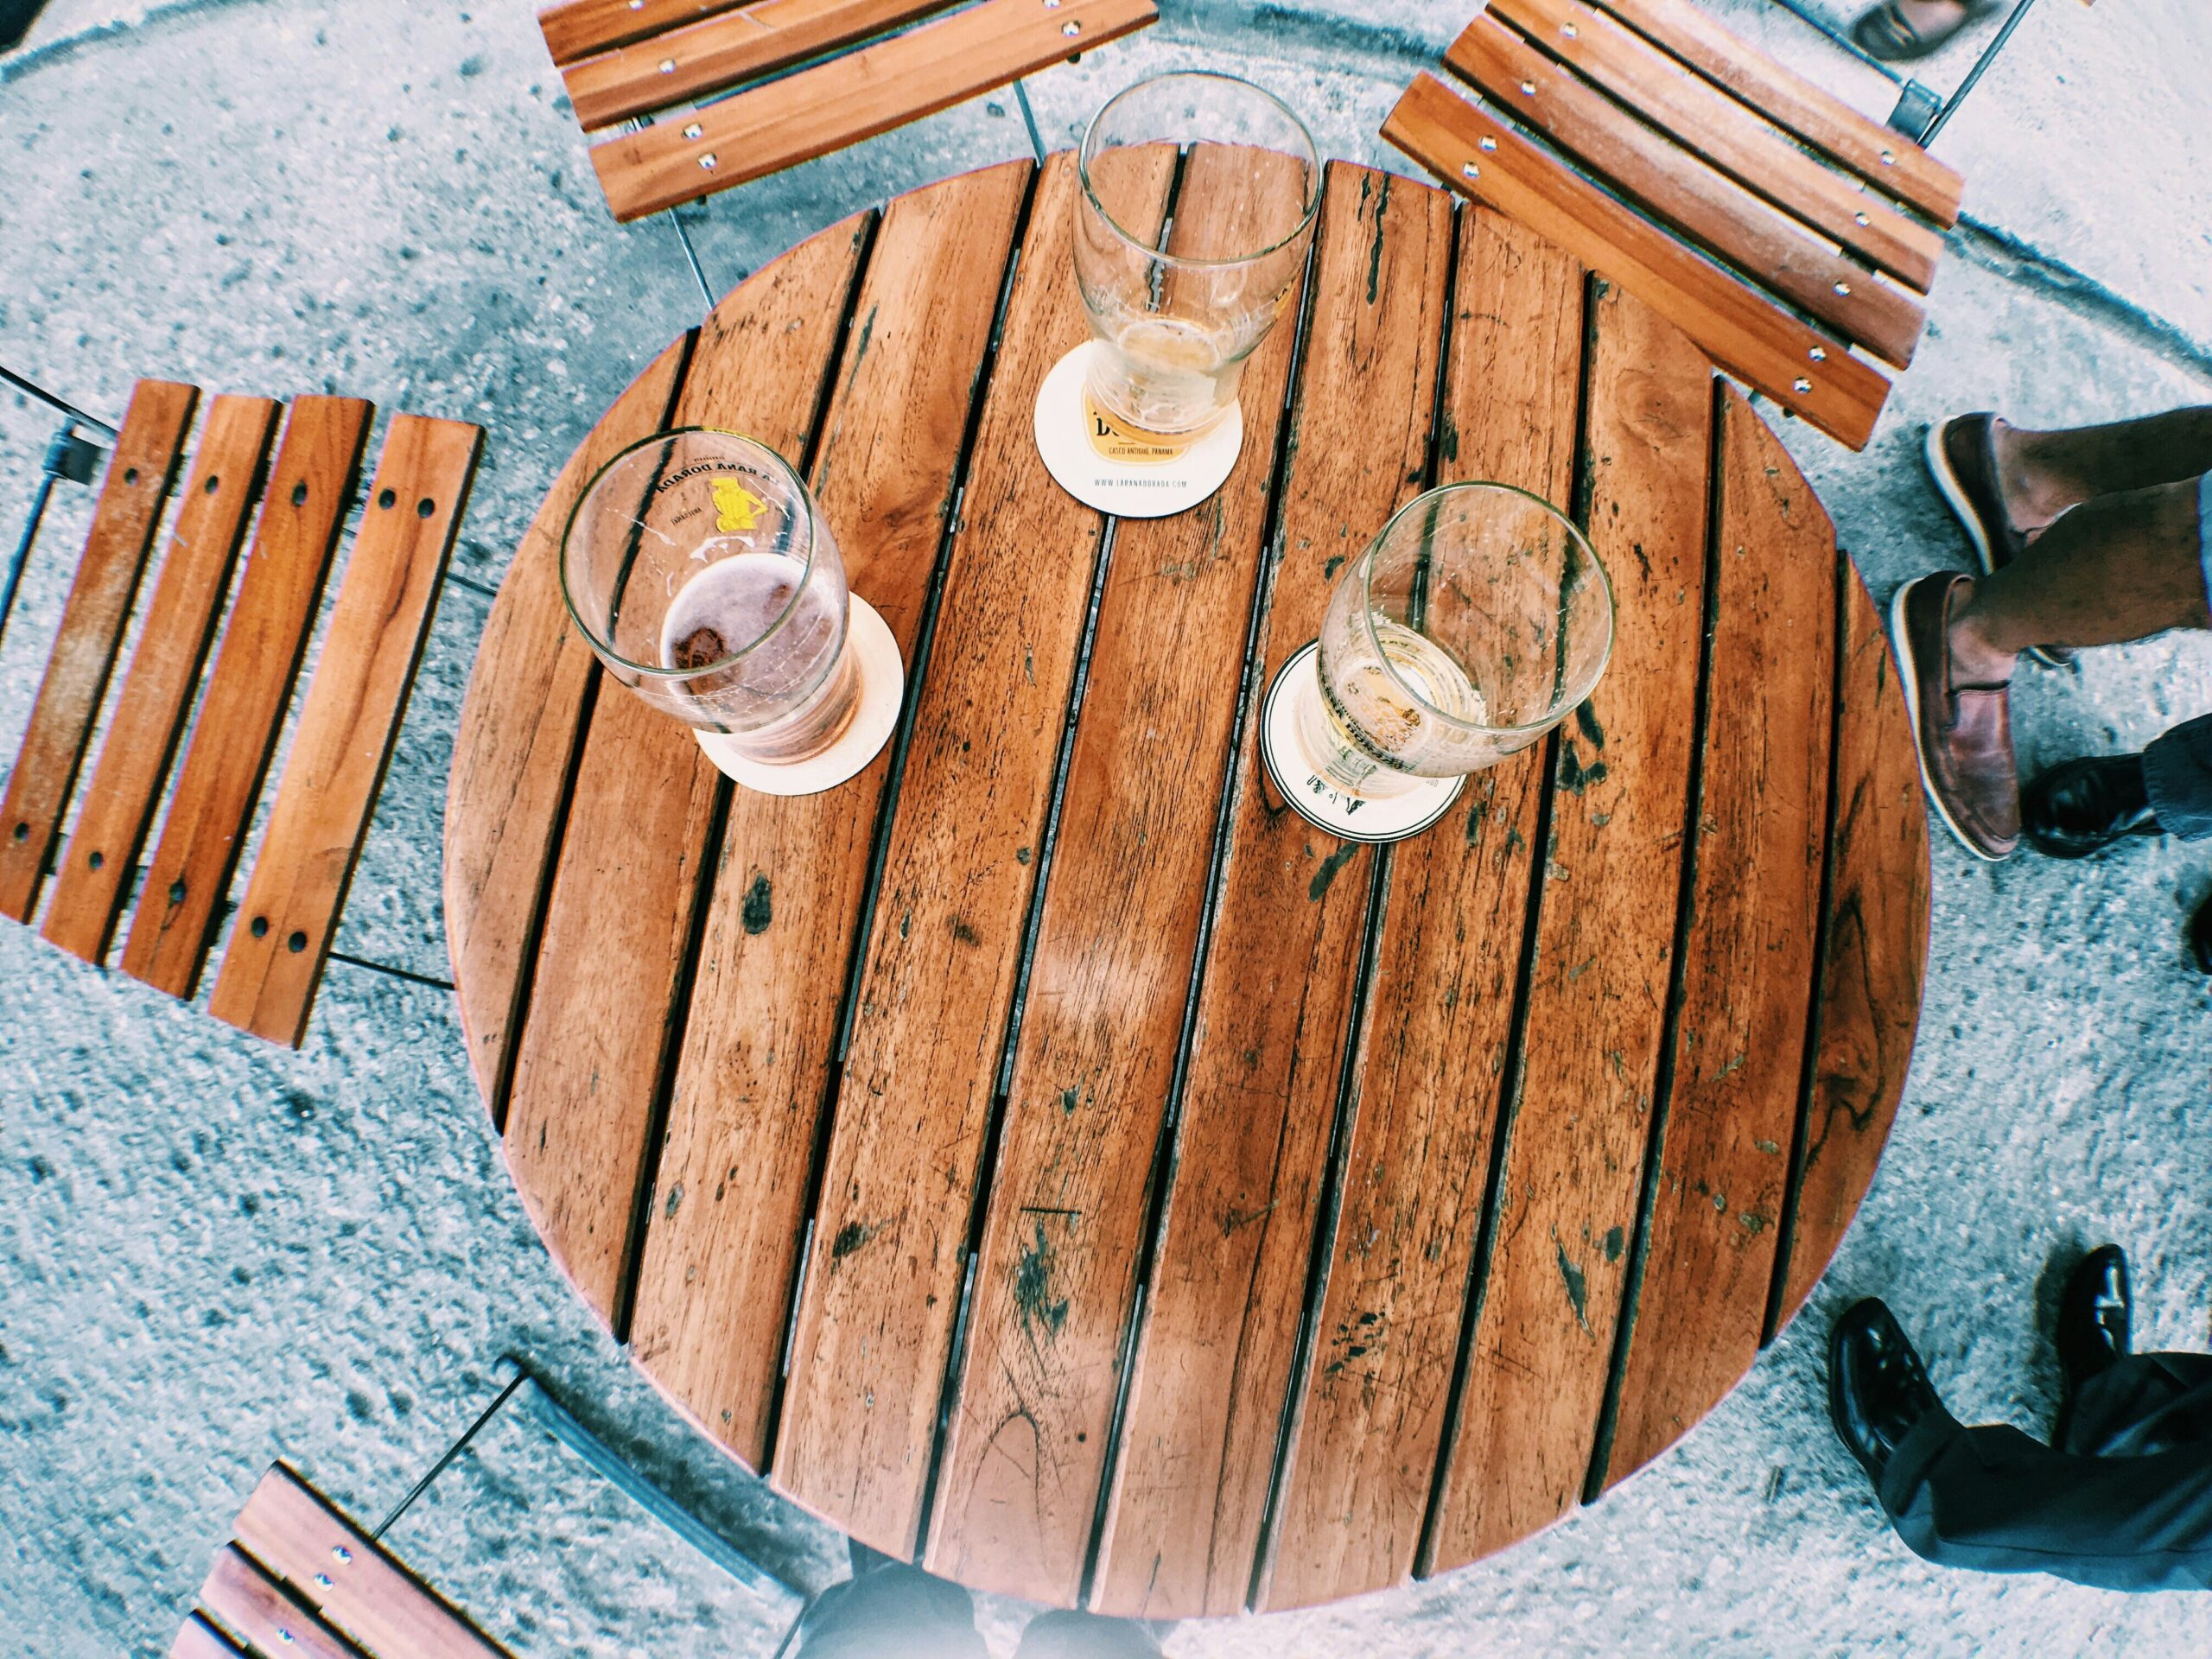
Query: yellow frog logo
(735, 506)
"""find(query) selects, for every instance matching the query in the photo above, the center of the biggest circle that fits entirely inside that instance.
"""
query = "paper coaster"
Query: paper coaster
(1115, 471)
(1321, 803)
(883, 688)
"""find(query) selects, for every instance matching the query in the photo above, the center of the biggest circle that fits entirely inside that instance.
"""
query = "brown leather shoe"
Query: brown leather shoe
(1963, 734)
(1962, 457)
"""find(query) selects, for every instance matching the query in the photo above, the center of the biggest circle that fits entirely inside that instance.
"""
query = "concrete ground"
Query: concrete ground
(213, 1251)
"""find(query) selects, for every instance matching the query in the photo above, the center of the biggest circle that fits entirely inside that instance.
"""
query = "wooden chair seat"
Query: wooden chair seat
(299, 1581)
(724, 91)
(1791, 237)
(348, 723)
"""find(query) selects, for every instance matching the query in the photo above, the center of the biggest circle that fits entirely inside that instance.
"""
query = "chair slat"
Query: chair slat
(94, 879)
(139, 478)
(852, 97)
(718, 52)
(347, 728)
(579, 28)
(1691, 195)
(1742, 331)
(353, 1582)
(201, 1640)
(246, 1601)
(1879, 154)
(1731, 137)
(309, 488)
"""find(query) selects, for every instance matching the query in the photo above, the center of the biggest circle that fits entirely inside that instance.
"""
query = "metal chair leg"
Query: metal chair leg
(67, 456)
(562, 1424)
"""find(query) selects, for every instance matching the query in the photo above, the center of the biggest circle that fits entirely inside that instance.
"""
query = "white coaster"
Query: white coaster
(883, 688)
(1105, 468)
(1321, 803)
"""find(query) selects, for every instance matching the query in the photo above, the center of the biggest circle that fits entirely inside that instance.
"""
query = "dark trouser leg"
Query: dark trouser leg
(892, 1612)
(1085, 1635)
(1992, 1499)
(2177, 773)
(2142, 1404)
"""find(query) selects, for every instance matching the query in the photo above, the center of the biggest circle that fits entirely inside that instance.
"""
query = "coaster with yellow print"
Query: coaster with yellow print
(1132, 475)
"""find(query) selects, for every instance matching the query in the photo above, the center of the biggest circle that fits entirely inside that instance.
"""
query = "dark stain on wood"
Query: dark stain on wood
(850, 1237)
(1327, 872)
(1578, 1285)
(759, 910)
(1032, 1288)
(1586, 718)
(1573, 775)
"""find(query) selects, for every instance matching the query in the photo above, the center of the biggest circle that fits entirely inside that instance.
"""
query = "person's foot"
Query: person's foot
(2083, 806)
(1897, 30)
(1962, 463)
(1963, 732)
(2094, 1317)
(1878, 1389)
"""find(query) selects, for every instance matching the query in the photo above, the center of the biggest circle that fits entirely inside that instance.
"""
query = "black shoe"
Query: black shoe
(2199, 937)
(1877, 1390)
(2094, 1317)
(2084, 805)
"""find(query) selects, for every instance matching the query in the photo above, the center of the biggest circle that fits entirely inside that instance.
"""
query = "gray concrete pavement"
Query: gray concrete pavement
(211, 1251)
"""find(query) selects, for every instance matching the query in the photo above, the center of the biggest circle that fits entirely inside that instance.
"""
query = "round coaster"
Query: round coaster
(883, 688)
(1106, 468)
(1321, 803)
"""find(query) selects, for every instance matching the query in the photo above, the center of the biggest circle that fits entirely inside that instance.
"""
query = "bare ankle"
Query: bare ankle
(1976, 658)
(2031, 497)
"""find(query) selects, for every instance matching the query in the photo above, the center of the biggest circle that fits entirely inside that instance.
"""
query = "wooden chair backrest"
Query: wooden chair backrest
(348, 724)
(299, 1581)
(1793, 238)
(733, 92)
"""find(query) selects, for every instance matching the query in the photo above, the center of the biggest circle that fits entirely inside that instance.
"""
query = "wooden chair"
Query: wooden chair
(348, 721)
(1792, 238)
(300, 1581)
(299, 1577)
(729, 91)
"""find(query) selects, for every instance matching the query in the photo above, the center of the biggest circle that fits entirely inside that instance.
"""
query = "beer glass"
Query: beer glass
(700, 571)
(1474, 624)
(1175, 327)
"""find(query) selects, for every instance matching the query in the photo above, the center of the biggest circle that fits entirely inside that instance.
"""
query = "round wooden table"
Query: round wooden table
(1046, 1155)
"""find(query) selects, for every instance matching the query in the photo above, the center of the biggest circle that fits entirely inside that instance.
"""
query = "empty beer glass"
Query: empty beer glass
(700, 571)
(1196, 210)
(1471, 626)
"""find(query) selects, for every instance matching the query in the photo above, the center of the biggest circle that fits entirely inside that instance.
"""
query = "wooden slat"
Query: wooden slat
(723, 1233)
(1693, 196)
(1762, 811)
(1370, 1419)
(92, 882)
(1542, 1346)
(884, 1276)
(1056, 1282)
(347, 727)
(242, 709)
(852, 97)
(516, 744)
(576, 28)
(1730, 136)
(355, 1583)
(256, 1610)
(720, 51)
(618, 920)
(139, 474)
(1875, 953)
(201, 1640)
(1743, 332)
(1883, 156)
(1214, 1360)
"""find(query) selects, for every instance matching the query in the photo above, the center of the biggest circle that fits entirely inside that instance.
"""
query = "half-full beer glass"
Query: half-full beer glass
(1474, 623)
(1196, 209)
(700, 571)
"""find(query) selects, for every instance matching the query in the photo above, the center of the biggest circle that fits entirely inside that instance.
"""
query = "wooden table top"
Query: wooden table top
(1060, 1163)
